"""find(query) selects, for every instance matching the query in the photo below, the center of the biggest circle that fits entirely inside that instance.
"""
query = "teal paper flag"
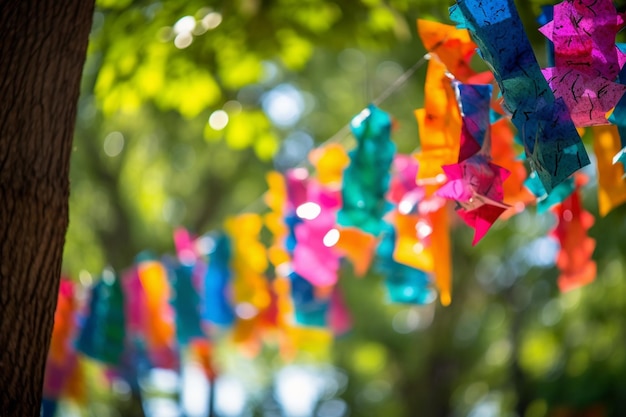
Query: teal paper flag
(366, 180)
(103, 333)
(552, 144)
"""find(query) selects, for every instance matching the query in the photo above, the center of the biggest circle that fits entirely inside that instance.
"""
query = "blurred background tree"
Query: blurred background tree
(185, 107)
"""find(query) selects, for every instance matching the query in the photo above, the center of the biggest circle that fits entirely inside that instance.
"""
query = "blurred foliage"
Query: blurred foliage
(146, 159)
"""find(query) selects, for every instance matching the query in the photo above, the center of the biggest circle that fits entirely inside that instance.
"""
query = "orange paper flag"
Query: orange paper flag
(574, 258)
(358, 247)
(160, 323)
(453, 46)
(329, 161)
(611, 183)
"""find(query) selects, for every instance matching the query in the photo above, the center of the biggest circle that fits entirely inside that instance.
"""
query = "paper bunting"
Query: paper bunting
(373, 208)
(574, 258)
(366, 179)
(553, 146)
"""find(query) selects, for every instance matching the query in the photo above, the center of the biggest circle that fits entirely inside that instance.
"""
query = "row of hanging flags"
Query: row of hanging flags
(378, 209)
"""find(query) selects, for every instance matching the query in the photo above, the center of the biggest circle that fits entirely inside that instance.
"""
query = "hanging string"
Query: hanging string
(344, 131)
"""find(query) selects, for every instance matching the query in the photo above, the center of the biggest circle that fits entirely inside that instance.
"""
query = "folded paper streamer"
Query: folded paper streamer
(475, 183)
(552, 144)
(504, 154)
(583, 33)
(453, 47)
(62, 355)
(544, 200)
(103, 331)
(618, 117)
(329, 162)
(248, 261)
(413, 229)
(314, 256)
(309, 310)
(439, 125)
(159, 325)
(276, 200)
(186, 304)
(366, 179)
(587, 60)
(611, 184)
(404, 284)
(217, 304)
(574, 258)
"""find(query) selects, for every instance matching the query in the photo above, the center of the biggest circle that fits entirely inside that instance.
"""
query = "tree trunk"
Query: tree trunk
(42, 50)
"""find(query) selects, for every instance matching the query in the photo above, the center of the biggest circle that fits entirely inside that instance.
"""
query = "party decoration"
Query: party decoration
(373, 208)
(366, 179)
(475, 183)
(217, 302)
(103, 332)
(249, 261)
(412, 227)
(452, 46)
(314, 257)
(159, 324)
(329, 162)
(186, 304)
(574, 258)
(357, 247)
(587, 60)
(611, 184)
(404, 284)
(62, 357)
(583, 33)
(439, 125)
(544, 200)
(553, 146)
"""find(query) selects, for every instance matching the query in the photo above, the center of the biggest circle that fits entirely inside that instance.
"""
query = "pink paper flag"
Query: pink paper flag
(588, 98)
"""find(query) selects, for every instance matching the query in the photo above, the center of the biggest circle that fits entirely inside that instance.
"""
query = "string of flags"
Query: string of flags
(375, 209)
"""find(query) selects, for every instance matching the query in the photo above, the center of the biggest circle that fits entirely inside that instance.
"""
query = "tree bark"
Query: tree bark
(42, 51)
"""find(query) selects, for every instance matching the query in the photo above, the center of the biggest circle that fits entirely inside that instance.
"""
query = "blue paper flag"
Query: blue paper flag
(308, 310)
(217, 307)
